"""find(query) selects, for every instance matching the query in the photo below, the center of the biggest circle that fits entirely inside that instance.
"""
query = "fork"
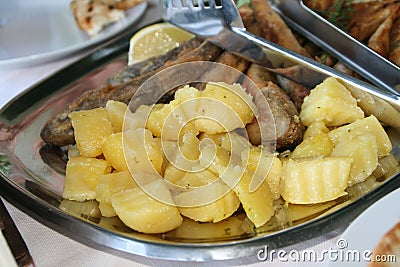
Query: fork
(219, 21)
(337, 42)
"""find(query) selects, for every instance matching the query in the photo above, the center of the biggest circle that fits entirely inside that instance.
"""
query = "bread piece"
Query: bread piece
(122, 4)
(92, 16)
(387, 248)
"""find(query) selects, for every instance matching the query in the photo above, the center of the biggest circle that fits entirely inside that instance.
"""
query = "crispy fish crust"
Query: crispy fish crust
(58, 130)
(288, 128)
(394, 46)
(132, 71)
(273, 27)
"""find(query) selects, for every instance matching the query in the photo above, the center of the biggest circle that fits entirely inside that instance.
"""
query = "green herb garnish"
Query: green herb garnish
(338, 14)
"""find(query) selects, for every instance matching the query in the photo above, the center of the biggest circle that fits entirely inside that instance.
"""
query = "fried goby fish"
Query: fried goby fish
(58, 130)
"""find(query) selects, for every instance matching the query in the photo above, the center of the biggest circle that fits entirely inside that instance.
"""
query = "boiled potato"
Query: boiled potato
(314, 146)
(212, 202)
(113, 151)
(363, 151)
(196, 179)
(224, 108)
(266, 166)
(190, 146)
(315, 128)
(215, 138)
(174, 119)
(310, 181)
(256, 202)
(215, 158)
(376, 106)
(232, 227)
(331, 103)
(137, 119)
(116, 113)
(110, 184)
(186, 97)
(143, 152)
(183, 154)
(172, 174)
(369, 124)
(91, 128)
(147, 213)
(235, 143)
(82, 176)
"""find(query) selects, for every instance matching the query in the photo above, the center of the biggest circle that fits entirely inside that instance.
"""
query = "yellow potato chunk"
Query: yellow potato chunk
(91, 128)
(235, 143)
(110, 184)
(187, 97)
(172, 174)
(315, 128)
(265, 166)
(232, 227)
(215, 158)
(213, 202)
(187, 152)
(196, 179)
(136, 119)
(331, 103)
(147, 213)
(82, 176)
(256, 202)
(363, 151)
(314, 146)
(170, 121)
(310, 181)
(224, 108)
(190, 146)
(183, 154)
(116, 113)
(122, 119)
(215, 138)
(369, 124)
(113, 151)
(143, 152)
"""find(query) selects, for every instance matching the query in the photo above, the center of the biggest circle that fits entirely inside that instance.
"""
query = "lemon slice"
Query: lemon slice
(155, 40)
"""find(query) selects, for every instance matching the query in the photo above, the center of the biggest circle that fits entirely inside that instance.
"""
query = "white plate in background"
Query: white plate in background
(36, 31)
(363, 234)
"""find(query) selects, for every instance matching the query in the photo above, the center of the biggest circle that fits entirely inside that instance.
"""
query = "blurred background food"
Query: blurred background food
(374, 23)
(92, 16)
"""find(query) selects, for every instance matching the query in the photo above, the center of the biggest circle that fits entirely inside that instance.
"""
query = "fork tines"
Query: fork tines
(192, 3)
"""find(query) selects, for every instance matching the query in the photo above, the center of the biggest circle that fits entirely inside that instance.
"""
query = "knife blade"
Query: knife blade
(14, 239)
(363, 60)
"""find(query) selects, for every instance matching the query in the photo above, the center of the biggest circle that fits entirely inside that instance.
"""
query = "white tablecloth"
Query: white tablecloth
(50, 248)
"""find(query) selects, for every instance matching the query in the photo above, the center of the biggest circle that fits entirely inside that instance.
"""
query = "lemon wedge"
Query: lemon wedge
(155, 40)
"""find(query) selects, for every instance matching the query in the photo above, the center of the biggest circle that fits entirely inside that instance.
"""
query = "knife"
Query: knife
(14, 239)
(363, 60)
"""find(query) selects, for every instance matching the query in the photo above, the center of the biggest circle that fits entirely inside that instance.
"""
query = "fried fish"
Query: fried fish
(58, 130)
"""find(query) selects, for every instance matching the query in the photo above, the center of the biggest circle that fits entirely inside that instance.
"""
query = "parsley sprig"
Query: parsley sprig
(338, 14)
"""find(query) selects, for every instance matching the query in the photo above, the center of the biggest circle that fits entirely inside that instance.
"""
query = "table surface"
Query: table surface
(50, 248)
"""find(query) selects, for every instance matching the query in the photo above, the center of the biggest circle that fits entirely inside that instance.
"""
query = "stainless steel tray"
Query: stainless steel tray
(31, 185)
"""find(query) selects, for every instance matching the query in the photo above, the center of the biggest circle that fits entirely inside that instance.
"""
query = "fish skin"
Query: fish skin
(132, 71)
(288, 130)
(58, 130)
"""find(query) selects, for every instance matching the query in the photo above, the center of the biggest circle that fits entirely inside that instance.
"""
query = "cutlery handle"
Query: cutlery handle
(14, 239)
(356, 55)
(276, 59)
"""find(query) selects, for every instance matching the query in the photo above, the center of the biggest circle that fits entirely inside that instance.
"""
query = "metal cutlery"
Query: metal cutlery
(353, 53)
(14, 239)
(220, 22)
